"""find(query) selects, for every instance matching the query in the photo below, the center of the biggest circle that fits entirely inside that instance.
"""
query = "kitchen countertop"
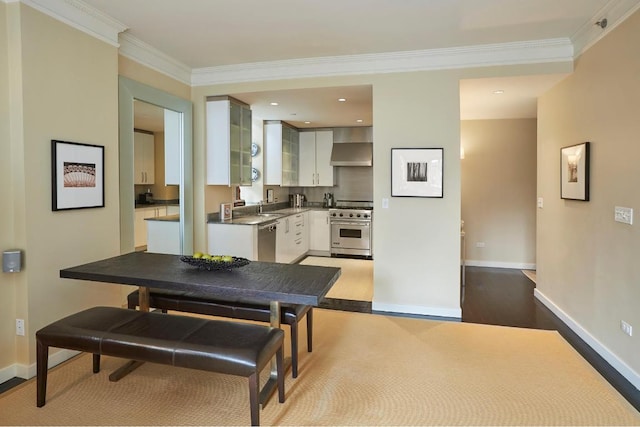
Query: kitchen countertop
(264, 218)
(168, 218)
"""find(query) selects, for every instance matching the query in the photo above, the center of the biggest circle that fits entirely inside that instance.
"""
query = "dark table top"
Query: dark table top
(287, 283)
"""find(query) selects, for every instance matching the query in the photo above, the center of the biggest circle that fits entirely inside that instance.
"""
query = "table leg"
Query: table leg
(132, 365)
(272, 383)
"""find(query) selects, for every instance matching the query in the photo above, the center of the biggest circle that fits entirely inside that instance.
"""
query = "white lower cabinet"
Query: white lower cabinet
(319, 233)
(140, 226)
(292, 238)
(163, 237)
(232, 239)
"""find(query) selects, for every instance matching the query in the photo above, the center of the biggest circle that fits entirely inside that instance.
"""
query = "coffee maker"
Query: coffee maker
(328, 200)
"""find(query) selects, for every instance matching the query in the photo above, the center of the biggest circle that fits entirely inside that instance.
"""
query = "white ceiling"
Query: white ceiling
(212, 33)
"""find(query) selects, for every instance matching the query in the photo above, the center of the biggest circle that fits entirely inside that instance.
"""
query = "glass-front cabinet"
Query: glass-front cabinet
(282, 153)
(228, 141)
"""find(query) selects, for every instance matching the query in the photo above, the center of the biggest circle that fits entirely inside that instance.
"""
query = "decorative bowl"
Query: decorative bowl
(209, 264)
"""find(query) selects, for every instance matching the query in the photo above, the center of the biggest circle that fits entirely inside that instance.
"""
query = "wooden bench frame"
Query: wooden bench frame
(183, 341)
(187, 302)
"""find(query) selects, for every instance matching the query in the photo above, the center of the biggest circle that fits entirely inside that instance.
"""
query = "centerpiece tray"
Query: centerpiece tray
(213, 264)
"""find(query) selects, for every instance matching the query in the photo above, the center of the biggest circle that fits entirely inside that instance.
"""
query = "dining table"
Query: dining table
(273, 283)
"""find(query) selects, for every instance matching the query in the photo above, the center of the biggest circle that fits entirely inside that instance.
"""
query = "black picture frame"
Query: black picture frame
(417, 172)
(574, 172)
(77, 175)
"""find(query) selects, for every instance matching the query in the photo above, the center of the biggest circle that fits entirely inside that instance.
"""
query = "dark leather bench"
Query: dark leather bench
(226, 347)
(189, 302)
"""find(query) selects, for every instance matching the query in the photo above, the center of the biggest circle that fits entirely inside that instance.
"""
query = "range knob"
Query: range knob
(358, 215)
(340, 214)
(366, 215)
(333, 214)
(351, 215)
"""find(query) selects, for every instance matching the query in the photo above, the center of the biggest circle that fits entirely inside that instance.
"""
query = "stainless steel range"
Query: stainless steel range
(351, 231)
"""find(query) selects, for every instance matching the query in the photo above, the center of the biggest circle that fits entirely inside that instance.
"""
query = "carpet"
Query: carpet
(366, 369)
(356, 277)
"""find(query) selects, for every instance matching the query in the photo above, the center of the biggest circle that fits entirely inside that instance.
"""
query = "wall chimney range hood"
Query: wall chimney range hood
(352, 154)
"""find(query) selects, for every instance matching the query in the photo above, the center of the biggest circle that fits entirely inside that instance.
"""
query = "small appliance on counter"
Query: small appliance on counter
(296, 200)
(145, 198)
(328, 200)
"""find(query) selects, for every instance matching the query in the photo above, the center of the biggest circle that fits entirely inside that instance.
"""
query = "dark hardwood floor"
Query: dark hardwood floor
(498, 296)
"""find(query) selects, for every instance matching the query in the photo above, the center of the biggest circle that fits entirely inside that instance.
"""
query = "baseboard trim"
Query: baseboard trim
(29, 371)
(9, 372)
(417, 309)
(499, 264)
(617, 363)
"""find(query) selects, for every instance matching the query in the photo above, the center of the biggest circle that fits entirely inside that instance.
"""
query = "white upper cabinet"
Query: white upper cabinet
(228, 142)
(281, 143)
(143, 158)
(315, 159)
(172, 142)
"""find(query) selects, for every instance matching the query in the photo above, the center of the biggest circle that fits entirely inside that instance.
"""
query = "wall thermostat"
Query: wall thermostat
(11, 261)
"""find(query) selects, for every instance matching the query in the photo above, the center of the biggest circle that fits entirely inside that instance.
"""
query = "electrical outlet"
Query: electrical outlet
(20, 327)
(480, 244)
(626, 328)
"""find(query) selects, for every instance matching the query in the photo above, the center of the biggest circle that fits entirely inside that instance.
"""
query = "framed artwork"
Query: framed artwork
(574, 172)
(77, 175)
(416, 172)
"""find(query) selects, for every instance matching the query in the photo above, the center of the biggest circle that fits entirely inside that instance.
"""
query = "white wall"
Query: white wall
(588, 269)
(499, 192)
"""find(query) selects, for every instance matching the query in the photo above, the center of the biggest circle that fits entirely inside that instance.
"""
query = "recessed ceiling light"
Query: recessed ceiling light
(342, 99)
(306, 123)
(274, 103)
(359, 120)
(498, 92)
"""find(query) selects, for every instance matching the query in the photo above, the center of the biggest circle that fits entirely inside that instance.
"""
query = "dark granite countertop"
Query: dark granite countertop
(254, 218)
(167, 218)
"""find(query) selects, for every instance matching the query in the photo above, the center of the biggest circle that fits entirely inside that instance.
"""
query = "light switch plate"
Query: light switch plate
(385, 203)
(624, 215)
(540, 202)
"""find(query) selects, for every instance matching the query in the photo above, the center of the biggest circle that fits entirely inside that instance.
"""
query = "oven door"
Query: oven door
(351, 238)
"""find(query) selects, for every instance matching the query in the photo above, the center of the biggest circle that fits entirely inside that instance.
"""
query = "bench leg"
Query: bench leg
(294, 349)
(42, 359)
(310, 330)
(254, 387)
(96, 363)
(280, 367)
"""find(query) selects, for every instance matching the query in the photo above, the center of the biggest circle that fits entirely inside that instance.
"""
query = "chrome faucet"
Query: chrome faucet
(260, 206)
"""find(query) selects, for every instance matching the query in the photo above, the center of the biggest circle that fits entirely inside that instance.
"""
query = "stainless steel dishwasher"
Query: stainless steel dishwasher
(267, 242)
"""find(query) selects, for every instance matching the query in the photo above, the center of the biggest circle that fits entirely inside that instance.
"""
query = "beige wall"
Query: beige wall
(588, 268)
(69, 92)
(499, 192)
(7, 241)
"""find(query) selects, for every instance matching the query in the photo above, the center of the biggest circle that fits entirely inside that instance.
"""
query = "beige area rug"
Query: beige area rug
(531, 274)
(356, 277)
(365, 369)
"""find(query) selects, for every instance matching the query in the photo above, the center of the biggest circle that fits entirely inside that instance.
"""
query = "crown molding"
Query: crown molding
(615, 11)
(145, 54)
(537, 51)
(82, 17)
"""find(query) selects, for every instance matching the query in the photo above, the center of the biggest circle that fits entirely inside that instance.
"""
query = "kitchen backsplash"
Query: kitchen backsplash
(352, 183)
